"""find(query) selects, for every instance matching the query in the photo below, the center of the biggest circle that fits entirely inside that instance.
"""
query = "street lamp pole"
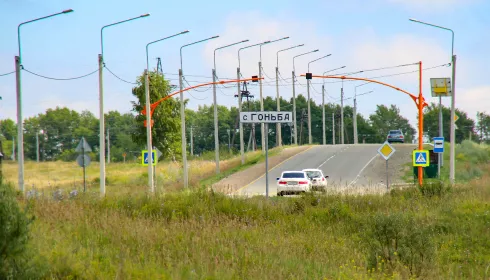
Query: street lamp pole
(452, 135)
(262, 126)
(278, 125)
(323, 105)
(216, 135)
(148, 113)
(242, 153)
(20, 125)
(354, 120)
(101, 104)
(294, 96)
(182, 112)
(309, 101)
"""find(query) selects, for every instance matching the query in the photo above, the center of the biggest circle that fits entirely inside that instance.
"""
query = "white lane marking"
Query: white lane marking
(325, 161)
(365, 166)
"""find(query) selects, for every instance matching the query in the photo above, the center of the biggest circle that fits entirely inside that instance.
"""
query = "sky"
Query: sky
(359, 34)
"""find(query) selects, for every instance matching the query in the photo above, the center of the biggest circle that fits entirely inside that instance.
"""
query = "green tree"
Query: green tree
(8, 129)
(166, 128)
(483, 126)
(386, 119)
(465, 126)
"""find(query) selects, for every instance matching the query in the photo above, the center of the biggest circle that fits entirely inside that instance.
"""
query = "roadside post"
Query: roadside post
(266, 118)
(439, 149)
(386, 151)
(83, 160)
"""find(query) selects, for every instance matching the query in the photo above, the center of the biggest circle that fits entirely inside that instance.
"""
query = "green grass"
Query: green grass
(438, 234)
(470, 157)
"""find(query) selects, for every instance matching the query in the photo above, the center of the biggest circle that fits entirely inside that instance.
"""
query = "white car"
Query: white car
(293, 182)
(318, 180)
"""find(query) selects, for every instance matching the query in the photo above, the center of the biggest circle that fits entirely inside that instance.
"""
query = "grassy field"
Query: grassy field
(124, 178)
(440, 233)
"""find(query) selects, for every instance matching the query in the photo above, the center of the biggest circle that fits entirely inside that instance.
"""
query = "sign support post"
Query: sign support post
(386, 151)
(266, 118)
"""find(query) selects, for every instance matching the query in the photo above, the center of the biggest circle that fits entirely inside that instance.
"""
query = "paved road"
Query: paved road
(345, 164)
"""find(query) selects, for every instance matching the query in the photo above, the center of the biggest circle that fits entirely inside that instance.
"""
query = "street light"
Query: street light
(148, 113)
(294, 96)
(356, 140)
(182, 111)
(278, 125)
(323, 105)
(262, 126)
(309, 101)
(216, 135)
(242, 153)
(20, 125)
(452, 135)
(101, 103)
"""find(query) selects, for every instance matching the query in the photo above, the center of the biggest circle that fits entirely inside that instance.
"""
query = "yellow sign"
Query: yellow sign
(456, 117)
(421, 158)
(386, 150)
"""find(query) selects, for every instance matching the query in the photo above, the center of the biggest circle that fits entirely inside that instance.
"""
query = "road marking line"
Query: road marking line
(325, 161)
(365, 166)
(272, 169)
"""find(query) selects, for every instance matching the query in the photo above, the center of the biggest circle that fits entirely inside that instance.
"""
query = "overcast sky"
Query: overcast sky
(358, 35)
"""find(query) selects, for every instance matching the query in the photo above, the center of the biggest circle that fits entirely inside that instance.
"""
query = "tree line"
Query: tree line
(57, 132)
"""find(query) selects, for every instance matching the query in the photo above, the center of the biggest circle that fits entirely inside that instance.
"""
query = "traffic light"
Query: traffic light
(255, 79)
(309, 76)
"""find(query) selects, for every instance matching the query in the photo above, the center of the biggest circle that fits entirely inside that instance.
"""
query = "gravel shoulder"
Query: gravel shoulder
(242, 178)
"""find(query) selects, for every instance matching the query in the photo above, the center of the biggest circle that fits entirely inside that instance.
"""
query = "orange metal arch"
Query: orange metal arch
(419, 102)
(155, 104)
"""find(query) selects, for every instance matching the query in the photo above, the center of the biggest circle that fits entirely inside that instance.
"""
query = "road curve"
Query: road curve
(346, 165)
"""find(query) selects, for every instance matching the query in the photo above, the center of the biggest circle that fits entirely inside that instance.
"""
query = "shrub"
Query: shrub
(436, 188)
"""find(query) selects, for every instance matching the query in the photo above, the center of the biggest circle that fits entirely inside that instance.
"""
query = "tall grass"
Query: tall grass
(205, 235)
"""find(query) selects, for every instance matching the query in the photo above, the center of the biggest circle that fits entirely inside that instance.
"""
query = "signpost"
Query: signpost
(144, 157)
(439, 148)
(386, 151)
(420, 158)
(83, 160)
(266, 118)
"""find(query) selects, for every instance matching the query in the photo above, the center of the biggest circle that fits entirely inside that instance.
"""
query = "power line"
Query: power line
(61, 79)
(6, 74)
(119, 77)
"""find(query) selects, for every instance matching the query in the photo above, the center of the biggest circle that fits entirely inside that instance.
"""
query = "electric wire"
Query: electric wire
(118, 76)
(6, 74)
(61, 79)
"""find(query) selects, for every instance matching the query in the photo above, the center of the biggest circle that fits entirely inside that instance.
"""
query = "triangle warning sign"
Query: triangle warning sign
(421, 158)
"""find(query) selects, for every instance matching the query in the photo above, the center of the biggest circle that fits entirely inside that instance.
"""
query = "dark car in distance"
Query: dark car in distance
(395, 136)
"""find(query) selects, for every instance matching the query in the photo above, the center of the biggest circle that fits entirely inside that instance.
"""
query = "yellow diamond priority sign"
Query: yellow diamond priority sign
(386, 150)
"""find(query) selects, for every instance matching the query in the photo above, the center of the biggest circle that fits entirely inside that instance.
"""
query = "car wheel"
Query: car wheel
(279, 194)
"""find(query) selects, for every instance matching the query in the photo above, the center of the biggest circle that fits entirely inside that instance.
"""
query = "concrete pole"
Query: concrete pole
(278, 125)
(342, 114)
(182, 121)
(101, 127)
(13, 148)
(148, 133)
(323, 116)
(108, 146)
(441, 158)
(239, 111)
(333, 128)
(294, 112)
(453, 132)
(354, 120)
(262, 128)
(216, 134)
(309, 112)
(192, 140)
(20, 125)
(37, 146)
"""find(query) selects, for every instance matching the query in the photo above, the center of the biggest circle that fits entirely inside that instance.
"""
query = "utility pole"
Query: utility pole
(342, 113)
(452, 149)
(13, 148)
(294, 111)
(239, 111)
(37, 146)
(108, 146)
(278, 104)
(192, 145)
(333, 128)
(354, 120)
(323, 116)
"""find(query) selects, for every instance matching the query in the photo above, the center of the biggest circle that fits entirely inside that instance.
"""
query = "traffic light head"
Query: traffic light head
(309, 76)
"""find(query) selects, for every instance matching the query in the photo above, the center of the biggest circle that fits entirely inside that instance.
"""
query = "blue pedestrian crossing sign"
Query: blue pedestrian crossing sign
(438, 144)
(144, 157)
(421, 158)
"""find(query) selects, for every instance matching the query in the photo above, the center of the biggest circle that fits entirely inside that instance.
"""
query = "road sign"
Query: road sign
(159, 154)
(266, 117)
(124, 154)
(83, 146)
(438, 144)
(420, 158)
(144, 158)
(386, 150)
(441, 87)
(83, 160)
(456, 117)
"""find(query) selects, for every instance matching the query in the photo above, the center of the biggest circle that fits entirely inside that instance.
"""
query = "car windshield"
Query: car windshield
(293, 175)
(313, 174)
(395, 132)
